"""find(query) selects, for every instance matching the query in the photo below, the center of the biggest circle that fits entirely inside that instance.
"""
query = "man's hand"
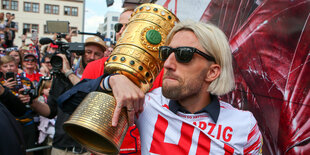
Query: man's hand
(24, 98)
(65, 63)
(69, 36)
(128, 96)
(10, 83)
(44, 70)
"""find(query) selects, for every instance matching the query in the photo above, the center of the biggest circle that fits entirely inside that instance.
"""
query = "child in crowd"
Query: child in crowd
(46, 126)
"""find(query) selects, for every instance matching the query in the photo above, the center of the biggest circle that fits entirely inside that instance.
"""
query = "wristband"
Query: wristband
(106, 82)
(68, 73)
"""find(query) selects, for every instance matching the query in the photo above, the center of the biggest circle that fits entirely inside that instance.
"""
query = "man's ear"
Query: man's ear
(213, 72)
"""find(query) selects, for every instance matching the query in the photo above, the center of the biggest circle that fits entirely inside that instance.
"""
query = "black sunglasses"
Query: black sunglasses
(182, 54)
(118, 27)
(30, 60)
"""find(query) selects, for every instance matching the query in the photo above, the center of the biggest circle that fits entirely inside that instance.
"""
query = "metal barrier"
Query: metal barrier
(39, 148)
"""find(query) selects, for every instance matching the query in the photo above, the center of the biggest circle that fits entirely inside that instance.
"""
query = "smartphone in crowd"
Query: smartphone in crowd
(10, 75)
(34, 35)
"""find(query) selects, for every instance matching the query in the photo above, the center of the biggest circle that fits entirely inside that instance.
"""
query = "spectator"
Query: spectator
(17, 85)
(30, 66)
(13, 27)
(108, 52)
(14, 52)
(2, 24)
(8, 64)
(46, 66)
(47, 126)
(52, 48)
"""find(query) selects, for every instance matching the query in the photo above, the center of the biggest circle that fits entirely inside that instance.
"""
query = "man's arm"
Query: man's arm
(66, 69)
(40, 107)
(127, 95)
(12, 102)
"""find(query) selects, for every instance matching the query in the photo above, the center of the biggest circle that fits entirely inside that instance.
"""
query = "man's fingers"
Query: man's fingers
(131, 116)
(116, 114)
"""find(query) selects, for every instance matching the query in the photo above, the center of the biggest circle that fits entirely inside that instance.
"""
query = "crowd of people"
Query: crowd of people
(197, 69)
(27, 71)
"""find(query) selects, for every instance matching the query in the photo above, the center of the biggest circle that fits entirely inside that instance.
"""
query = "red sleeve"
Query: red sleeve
(94, 69)
(158, 81)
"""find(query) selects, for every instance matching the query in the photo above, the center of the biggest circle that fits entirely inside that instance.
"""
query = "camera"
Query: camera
(63, 48)
(34, 92)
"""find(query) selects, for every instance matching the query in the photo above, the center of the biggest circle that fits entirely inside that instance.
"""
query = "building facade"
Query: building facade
(33, 14)
(107, 28)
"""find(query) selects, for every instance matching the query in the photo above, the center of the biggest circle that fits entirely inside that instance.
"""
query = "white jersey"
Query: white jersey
(164, 132)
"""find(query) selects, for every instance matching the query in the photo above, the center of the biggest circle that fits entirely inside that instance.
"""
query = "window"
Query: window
(74, 12)
(55, 9)
(10, 4)
(35, 7)
(51, 9)
(105, 28)
(47, 8)
(14, 5)
(30, 27)
(114, 18)
(31, 7)
(105, 20)
(45, 30)
(70, 11)
(112, 27)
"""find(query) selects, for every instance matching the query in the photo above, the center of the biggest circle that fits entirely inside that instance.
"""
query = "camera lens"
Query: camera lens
(56, 62)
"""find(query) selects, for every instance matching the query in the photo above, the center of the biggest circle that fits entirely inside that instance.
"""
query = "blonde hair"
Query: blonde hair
(6, 59)
(214, 41)
(45, 84)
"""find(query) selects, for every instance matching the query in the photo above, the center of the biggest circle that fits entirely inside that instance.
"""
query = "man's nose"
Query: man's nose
(170, 62)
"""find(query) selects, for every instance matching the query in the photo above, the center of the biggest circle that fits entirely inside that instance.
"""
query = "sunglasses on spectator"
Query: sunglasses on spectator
(182, 54)
(30, 60)
(11, 49)
(118, 27)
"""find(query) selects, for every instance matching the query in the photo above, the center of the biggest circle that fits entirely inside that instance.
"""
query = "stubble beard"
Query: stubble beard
(184, 89)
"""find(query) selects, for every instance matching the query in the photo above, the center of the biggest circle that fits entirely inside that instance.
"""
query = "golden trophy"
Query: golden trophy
(135, 56)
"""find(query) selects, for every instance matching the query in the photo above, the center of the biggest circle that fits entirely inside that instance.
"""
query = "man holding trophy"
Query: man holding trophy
(183, 116)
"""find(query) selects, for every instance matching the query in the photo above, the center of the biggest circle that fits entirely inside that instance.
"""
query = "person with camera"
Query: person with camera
(20, 86)
(65, 79)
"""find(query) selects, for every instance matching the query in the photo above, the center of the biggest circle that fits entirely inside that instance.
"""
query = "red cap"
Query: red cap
(53, 46)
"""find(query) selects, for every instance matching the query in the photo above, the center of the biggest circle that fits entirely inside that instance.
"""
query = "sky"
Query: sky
(95, 11)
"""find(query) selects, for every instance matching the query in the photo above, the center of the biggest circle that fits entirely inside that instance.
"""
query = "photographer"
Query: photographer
(19, 85)
(62, 143)
(94, 50)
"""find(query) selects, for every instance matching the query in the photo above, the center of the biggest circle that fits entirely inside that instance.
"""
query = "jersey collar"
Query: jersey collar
(213, 108)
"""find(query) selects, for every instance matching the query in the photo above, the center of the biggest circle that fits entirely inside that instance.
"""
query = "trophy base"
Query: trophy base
(91, 124)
